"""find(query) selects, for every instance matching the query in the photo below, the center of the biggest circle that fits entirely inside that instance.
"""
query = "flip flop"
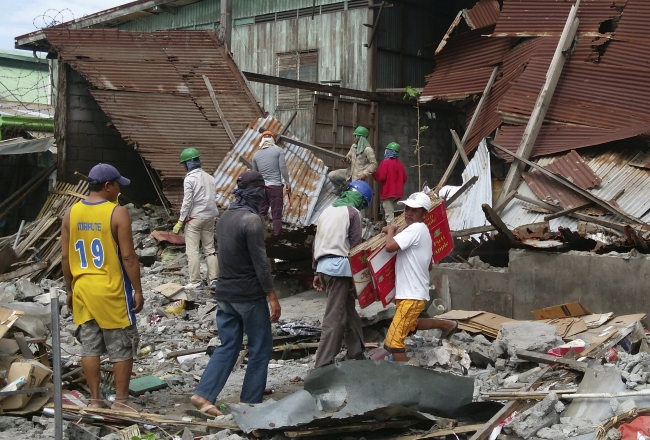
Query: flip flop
(268, 391)
(451, 332)
(202, 413)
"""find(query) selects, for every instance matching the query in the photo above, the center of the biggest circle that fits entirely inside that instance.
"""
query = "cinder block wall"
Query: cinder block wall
(91, 139)
(534, 280)
(398, 123)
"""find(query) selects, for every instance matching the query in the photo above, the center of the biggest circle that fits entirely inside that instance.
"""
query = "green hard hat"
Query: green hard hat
(189, 153)
(393, 146)
(361, 131)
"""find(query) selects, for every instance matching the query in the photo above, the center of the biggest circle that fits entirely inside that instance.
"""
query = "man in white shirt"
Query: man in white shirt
(414, 262)
(198, 215)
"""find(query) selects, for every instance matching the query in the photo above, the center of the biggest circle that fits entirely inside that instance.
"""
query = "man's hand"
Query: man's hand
(68, 300)
(177, 227)
(276, 310)
(347, 159)
(317, 284)
(362, 176)
(388, 229)
(138, 301)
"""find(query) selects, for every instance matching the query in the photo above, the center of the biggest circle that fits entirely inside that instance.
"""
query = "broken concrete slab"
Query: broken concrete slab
(529, 335)
(540, 416)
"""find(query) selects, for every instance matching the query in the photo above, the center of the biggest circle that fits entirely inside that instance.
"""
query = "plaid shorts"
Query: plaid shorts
(121, 344)
(404, 322)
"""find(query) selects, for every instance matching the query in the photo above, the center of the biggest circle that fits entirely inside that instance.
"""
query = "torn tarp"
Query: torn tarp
(355, 388)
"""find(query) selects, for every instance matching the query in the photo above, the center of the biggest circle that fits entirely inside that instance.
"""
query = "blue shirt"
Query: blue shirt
(334, 266)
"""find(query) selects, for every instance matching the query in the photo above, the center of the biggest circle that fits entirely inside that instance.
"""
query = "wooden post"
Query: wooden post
(60, 120)
(543, 101)
(496, 221)
(226, 23)
(459, 146)
(470, 126)
(216, 106)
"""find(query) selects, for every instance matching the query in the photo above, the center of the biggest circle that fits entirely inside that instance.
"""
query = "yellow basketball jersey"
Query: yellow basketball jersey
(102, 290)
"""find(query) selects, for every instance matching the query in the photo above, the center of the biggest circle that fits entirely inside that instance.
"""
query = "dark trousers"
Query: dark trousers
(274, 199)
(340, 323)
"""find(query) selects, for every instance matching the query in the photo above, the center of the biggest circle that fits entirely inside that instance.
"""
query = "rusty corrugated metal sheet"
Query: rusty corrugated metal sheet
(464, 66)
(307, 173)
(151, 86)
(572, 167)
(587, 94)
(555, 138)
(482, 14)
(633, 24)
(529, 18)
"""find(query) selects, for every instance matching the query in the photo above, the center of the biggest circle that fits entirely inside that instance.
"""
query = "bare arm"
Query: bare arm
(121, 228)
(65, 262)
(391, 244)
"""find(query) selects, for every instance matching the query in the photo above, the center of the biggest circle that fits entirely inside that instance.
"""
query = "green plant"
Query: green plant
(413, 95)
(150, 436)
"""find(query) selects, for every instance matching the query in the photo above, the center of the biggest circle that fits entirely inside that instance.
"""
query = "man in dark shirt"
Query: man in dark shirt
(243, 286)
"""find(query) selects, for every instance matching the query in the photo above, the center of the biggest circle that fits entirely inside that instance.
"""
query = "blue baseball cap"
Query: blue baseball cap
(103, 172)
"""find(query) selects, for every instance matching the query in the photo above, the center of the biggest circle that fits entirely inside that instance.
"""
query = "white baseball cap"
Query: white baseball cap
(417, 200)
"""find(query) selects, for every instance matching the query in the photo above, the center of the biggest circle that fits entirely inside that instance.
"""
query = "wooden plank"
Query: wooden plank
(511, 195)
(470, 127)
(224, 121)
(357, 427)
(375, 25)
(22, 343)
(461, 190)
(551, 360)
(496, 221)
(538, 203)
(506, 411)
(567, 211)
(24, 271)
(459, 146)
(311, 147)
(245, 161)
(288, 124)
(463, 429)
(600, 202)
(543, 101)
(472, 231)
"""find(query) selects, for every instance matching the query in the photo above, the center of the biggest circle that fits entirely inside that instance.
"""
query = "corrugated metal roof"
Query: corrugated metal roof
(482, 14)
(24, 146)
(151, 86)
(528, 18)
(587, 94)
(555, 138)
(633, 24)
(572, 167)
(612, 164)
(307, 173)
(465, 65)
(465, 212)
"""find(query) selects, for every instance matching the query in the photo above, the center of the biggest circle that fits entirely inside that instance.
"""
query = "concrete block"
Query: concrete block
(533, 419)
(89, 154)
(529, 335)
(79, 114)
(91, 128)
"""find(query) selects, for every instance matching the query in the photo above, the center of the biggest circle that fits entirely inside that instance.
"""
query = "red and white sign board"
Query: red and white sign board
(380, 266)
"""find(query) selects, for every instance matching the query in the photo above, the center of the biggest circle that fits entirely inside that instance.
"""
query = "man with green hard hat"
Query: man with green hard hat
(391, 175)
(361, 158)
(198, 215)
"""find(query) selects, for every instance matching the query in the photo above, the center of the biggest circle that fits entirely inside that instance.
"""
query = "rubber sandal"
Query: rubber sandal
(451, 332)
(126, 405)
(203, 412)
(268, 391)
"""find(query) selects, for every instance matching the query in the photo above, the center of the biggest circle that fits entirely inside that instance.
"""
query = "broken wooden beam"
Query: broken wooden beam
(246, 163)
(459, 146)
(504, 202)
(472, 231)
(543, 101)
(496, 221)
(467, 185)
(25, 270)
(224, 121)
(538, 203)
(552, 360)
(470, 127)
(311, 147)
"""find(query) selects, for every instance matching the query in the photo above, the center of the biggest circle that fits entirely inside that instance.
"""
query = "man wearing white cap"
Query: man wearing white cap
(414, 261)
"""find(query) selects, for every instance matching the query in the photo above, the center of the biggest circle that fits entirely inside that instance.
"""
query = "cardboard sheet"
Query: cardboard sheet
(561, 311)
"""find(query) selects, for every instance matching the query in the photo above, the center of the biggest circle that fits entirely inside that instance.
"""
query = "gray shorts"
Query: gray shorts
(121, 344)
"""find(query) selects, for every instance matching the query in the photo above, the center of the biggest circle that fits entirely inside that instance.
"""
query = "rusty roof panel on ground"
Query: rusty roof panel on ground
(307, 173)
(151, 86)
(574, 169)
(482, 14)
(528, 18)
(465, 63)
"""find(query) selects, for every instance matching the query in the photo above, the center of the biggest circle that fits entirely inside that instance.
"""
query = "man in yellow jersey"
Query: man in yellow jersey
(102, 275)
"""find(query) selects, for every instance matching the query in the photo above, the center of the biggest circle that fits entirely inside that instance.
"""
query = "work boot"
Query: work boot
(213, 285)
(194, 286)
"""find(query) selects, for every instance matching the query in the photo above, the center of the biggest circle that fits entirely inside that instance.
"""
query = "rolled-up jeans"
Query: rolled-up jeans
(233, 320)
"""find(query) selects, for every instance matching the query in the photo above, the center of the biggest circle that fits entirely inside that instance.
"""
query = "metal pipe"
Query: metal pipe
(27, 123)
(20, 230)
(56, 361)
